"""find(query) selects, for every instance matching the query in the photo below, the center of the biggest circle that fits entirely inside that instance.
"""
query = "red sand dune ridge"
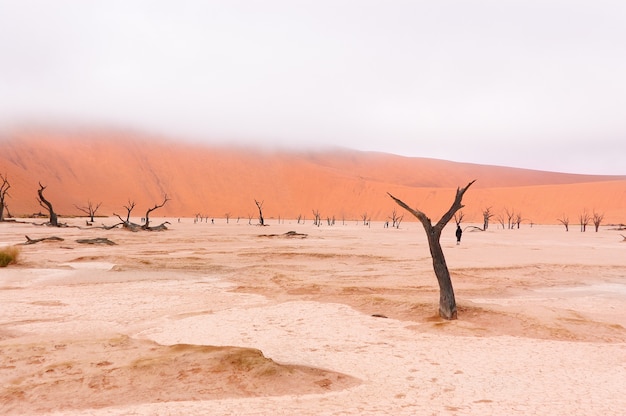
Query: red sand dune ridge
(112, 168)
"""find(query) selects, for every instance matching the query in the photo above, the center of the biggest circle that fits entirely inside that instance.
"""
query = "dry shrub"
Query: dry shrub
(9, 255)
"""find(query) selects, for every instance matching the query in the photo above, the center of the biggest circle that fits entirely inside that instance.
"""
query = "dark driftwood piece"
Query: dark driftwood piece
(97, 240)
(447, 303)
(160, 227)
(37, 240)
(288, 234)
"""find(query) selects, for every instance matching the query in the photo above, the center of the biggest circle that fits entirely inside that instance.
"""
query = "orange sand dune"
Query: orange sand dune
(112, 168)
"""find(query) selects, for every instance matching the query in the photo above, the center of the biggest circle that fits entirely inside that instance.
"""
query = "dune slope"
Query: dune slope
(113, 168)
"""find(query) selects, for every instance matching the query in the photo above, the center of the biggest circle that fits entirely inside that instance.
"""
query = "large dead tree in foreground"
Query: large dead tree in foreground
(447, 303)
(47, 205)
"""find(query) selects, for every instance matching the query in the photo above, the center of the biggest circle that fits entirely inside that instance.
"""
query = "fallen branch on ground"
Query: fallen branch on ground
(288, 234)
(97, 240)
(37, 240)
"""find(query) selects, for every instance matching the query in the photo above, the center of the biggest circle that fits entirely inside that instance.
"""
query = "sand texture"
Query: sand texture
(238, 319)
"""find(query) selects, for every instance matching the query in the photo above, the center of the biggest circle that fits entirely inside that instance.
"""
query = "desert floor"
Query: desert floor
(215, 319)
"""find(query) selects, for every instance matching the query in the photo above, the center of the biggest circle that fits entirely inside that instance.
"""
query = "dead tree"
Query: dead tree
(399, 220)
(316, 217)
(89, 209)
(364, 218)
(146, 225)
(501, 220)
(518, 219)
(597, 219)
(227, 216)
(486, 217)
(4, 192)
(509, 217)
(458, 218)
(126, 222)
(129, 209)
(395, 219)
(259, 205)
(447, 303)
(54, 221)
(584, 221)
(565, 221)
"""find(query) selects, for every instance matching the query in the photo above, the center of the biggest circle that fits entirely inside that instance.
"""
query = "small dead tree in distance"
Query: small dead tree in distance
(565, 221)
(597, 220)
(584, 221)
(486, 217)
(316, 217)
(447, 302)
(395, 219)
(458, 218)
(259, 205)
(54, 221)
(501, 220)
(509, 217)
(90, 210)
(4, 192)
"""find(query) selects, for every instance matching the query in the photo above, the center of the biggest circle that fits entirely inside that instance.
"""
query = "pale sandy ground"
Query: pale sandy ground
(98, 329)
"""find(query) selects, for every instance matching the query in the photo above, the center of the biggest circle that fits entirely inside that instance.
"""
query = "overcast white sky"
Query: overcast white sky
(538, 84)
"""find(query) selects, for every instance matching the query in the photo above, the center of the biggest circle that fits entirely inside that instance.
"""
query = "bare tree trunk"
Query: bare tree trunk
(447, 302)
(486, 217)
(146, 226)
(597, 220)
(4, 192)
(259, 205)
(45, 204)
